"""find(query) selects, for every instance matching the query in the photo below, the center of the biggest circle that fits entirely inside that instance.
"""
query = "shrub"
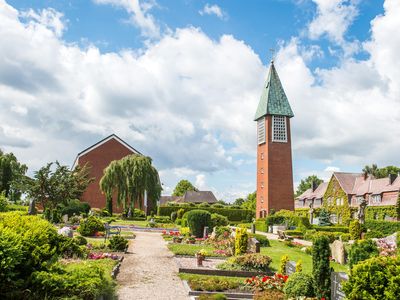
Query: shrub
(261, 225)
(332, 228)
(70, 248)
(294, 233)
(204, 204)
(324, 217)
(312, 235)
(75, 207)
(178, 221)
(218, 220)
(274, 220)
(222, 231)
(371, 234)
(362, 250)
(299, 285)
(321, 268)
(159, 219)
(282, 265)
(80, 240)
(212, 284)
(174, 215)
(89, 226)
(3, 202)
(217, 205)
(355, 229)
(375, 278)
(386, 227)
(264, 242)
(247, 262)
(345, 237)
(241, 241)
(180, 213)
(85, 281)
(299, 266)
(213, 297)
(138, 213)
(118, 243)
(197, 220)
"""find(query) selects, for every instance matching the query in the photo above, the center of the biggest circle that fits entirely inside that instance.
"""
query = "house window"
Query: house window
(359, 199)
(279, 133)
(339, 201)
(376, 198)
(329, 201)
(261, 131)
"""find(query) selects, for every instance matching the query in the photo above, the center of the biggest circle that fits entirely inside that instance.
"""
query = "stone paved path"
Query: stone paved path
(149, 272)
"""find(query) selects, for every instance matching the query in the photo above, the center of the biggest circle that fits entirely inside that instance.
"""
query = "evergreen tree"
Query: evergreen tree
(321, 267)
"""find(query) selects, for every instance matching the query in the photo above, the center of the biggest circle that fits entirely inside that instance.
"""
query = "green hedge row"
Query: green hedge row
(261, 225)
(380, 212)
(343, 229)
(385, 227)
(232, 214)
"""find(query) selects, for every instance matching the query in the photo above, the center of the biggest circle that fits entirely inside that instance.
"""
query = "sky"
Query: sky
(180, 80)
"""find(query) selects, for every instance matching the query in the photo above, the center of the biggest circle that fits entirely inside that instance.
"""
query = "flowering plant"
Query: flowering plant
(386, 247)
(102, 256)
(202, 252)
(261, 283)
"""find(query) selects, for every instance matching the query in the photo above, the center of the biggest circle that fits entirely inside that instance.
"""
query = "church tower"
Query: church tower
(274, 149)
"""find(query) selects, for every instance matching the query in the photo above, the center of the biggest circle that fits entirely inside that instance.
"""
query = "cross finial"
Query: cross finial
(272, 50)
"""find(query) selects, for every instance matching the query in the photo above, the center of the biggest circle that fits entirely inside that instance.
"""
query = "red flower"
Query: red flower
(264, 279)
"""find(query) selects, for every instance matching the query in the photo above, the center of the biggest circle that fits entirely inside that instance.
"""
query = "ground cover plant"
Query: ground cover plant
(212, 283)
(247, 262)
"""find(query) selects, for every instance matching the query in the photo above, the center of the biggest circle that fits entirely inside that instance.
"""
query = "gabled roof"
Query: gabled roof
(317, 194)
(347, 180)
(103, 141)
(375, 186)
(198, 197)
(273, 99)
(165, 199)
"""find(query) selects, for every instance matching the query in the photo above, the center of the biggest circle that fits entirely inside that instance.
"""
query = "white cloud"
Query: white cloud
(213, 10)
(140, 16)
(200, 182)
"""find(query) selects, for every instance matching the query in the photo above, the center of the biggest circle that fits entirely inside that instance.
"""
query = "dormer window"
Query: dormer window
(261, 131)
(279, 132)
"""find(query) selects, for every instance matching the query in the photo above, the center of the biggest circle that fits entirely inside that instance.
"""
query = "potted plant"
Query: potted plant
(201, 255)
(177, 239)
(191, 240)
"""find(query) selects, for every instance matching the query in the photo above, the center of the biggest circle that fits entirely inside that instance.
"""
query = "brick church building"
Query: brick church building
(98, 157)
(274, 150)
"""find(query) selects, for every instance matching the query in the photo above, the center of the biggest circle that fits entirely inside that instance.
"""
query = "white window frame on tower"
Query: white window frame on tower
(279, 129)
(261, 131)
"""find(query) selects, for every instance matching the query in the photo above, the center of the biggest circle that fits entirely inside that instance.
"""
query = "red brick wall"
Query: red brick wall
(275, 186)
(98, 159)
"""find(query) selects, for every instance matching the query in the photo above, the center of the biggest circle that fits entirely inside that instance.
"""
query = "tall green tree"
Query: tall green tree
(250, 202)
(306, 183)
(376, 172)
(129, 178)
(238, 201)
(55, 184)
(182, 187)
(12, 176)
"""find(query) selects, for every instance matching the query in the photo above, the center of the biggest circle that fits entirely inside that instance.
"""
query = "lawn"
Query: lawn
(278, 249)
(192, 249)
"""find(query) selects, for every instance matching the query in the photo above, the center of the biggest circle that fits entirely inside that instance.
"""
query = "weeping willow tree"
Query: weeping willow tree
(129, 179)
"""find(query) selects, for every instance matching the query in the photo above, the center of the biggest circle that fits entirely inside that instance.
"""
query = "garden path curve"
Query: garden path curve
(148, 271)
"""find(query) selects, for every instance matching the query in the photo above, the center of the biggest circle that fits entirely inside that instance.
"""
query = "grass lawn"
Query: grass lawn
(278, 249)
(106, 264)
(129, 222)
(191, 249)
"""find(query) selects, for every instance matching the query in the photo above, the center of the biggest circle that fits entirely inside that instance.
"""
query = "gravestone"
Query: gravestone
(32, 208)
(66, 231)
(290, 267)
(205, 232)
(337, 279)
(253, 245)
(253, 228)
(65, 218)
(338, 252)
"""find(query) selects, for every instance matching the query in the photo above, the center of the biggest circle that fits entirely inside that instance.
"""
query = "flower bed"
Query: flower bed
(96, 256)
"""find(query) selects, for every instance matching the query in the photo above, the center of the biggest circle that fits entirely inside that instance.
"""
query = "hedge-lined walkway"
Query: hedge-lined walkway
(149, 271)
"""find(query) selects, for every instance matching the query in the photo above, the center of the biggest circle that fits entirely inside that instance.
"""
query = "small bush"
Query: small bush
(180, 213)
(282, 265)
(247, 262)
(294, 233)
(264, 242)
(3, 202)
(241, 241)
(312, 235)
(89, 226)
(274, 220)
(371, 234)
(332, 228)
(80, 240)
(118, 243)
(219, 220)
(197, 220)
(362, 250)
(178, 221)
(299, 285)
(75, 207)
(174, 215)
(222, 232)
(70, 248)
(217, 205)
(159, 219)
(204, 204)
(345, 237)
(321, 267)
(261, 225)
(355, 230)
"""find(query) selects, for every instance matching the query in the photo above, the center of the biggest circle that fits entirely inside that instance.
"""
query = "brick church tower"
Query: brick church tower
(274, 149)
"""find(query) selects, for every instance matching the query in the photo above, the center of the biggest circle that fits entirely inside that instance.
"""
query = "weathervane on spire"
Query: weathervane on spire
(272, 50)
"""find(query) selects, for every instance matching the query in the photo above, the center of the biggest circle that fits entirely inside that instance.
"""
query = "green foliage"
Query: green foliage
(299, 285)
(247, 262)
(13, 181)
(299, 266)
(324, 218)
(217, 205)
(182, 187)
(197, 220)
(264, 241)
(274, 220)
(241, 238)
(332, 228)
(75, 207)
(294, 233)
(355, 230)
(238, 201)
(386, 227)
(130, 177)
(222, 232)
(180, 213)
(159, 219)
(86, 281)
(290, 218)
(306, 184)
(240, 215)
(109, 204)
(321, 267)
(345, 237)
(27, 244)
(89, 226)
(118, 243)
(312, 235)
(362, 250)
(80, 240)
(380, 212)
(219, 220)
(174, 215)
(261, 225)
(376, 172)
(3, 202)
(213, 297)
(204, 204)
(282, 265)
(70, 248)
(375, 278)
(250, 202)
(372, 234)
(336, 202)
(213, 283)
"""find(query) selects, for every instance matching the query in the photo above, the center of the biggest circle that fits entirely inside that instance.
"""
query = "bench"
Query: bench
(283, 236)
(111, 230)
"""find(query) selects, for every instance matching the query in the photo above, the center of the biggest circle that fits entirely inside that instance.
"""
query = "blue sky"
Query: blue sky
(180, 81)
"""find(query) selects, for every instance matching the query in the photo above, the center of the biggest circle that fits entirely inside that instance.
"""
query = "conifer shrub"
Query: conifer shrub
(362, 250)
(218, 220)
(355, 230)
(321, 268)
(89, 226)
(180, 213)
(118, 243)
(282, 265)
(299, 285)
(174, 215)
(198, 219)
(241, 238)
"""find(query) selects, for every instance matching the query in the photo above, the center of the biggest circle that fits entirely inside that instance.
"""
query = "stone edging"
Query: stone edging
(230, 295)
(115, 270)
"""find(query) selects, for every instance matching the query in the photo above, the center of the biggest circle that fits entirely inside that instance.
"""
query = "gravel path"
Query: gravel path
(149, 271)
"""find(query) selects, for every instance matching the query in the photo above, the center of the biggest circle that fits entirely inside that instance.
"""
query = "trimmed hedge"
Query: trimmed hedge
(198, 219)
(232, 214)
(385, 227)
(332, 228)
(294, 233)
(261, 225)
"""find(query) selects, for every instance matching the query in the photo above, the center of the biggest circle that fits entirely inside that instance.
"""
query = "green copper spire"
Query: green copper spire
(273, 99)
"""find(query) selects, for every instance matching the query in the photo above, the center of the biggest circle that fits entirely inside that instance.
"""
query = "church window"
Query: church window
(279, 133)
(261, 131)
